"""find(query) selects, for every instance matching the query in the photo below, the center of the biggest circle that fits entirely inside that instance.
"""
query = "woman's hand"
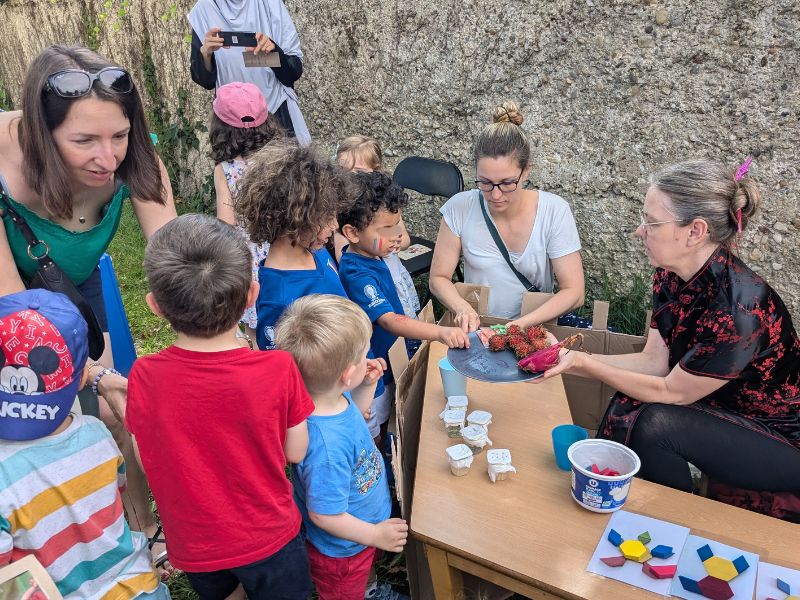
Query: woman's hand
(212, 42)
(569, 361)
(467, 319)
(265, 44)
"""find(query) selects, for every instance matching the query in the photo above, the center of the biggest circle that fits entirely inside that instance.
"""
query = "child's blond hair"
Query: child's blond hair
(325, 334)
(361, 146)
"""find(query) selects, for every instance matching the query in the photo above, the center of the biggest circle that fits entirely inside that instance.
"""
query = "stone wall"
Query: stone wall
(611, 90)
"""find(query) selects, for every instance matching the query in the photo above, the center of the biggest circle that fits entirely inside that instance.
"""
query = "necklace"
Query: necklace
(81, 217)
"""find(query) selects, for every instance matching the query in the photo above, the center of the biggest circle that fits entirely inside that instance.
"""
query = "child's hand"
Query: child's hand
(453, 337)
(376, 367)
(391, 535)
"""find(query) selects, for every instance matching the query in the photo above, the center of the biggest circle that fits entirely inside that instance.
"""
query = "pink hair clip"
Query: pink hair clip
(742, 170)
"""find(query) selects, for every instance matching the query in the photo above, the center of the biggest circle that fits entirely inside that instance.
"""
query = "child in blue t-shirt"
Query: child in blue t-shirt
(340, 486)
(289, 196)
(372, 228)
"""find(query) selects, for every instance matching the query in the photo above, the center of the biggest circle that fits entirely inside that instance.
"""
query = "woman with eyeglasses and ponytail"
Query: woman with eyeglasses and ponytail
(718, 382)
(69, 159)
(512, 239)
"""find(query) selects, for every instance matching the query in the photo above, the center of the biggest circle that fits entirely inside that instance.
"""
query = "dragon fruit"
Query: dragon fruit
(547, 358)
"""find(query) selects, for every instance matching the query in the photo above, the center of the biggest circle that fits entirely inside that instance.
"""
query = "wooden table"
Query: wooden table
(526, 533)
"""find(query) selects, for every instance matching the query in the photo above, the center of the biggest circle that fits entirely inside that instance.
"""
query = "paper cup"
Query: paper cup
(453, 382)
(601, 493)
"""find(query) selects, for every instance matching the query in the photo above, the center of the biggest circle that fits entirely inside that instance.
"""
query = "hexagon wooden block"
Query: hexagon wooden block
(721, 568)
(614, 561)
(659, 571)
(714, 588)
(634, 550)
(662, 551)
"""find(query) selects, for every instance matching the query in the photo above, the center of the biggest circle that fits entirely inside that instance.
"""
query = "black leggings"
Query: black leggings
(667, 438)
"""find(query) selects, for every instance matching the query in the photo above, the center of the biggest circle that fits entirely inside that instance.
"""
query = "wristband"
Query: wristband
(100, 375)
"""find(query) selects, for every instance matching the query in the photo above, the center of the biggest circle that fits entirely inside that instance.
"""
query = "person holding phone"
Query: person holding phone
(214, 63)
(79, 148)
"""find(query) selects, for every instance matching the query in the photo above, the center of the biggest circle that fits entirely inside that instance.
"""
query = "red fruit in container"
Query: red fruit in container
(547, 358)
(513, 339)
(540, 343)
(514, 330)
(522, 350)
(497, 343)
(535, 333)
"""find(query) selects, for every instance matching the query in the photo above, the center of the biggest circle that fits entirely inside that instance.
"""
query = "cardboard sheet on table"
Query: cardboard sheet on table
(767, 582)
(690, 565)
(629, 526)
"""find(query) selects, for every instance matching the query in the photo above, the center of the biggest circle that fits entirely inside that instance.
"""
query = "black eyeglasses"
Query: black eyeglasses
(505, 186)
(74, 83)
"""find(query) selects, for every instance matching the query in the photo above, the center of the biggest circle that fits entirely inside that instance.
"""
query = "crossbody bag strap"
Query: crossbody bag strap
(23, 227)
(502, 247)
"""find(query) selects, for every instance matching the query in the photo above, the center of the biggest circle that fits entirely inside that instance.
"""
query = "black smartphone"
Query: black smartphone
(238, 38)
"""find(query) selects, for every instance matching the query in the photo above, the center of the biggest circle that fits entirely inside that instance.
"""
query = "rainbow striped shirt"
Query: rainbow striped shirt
(60, 501)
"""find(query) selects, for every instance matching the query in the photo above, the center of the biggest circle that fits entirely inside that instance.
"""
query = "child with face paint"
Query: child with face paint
(372, 228)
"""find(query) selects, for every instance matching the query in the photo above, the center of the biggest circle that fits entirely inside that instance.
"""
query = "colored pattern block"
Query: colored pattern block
(715, 589)
(740, 564)
(690, 585)
(721, 568)
(645, 537)
(705, 552)
(614, 537)
(635, 550)
(662, 551)
(783, 586)
(659, 571)
(614, 561)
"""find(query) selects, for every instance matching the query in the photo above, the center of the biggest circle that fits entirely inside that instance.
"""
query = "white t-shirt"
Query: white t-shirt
(554, 235)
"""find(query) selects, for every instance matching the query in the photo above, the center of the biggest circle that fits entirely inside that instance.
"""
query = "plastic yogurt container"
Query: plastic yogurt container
(479, 417)
(460, 457)
(500, 466)
(453, 422)
(476, 437)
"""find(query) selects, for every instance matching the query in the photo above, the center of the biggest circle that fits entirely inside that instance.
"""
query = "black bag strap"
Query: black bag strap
(23, 226)
(529, 287)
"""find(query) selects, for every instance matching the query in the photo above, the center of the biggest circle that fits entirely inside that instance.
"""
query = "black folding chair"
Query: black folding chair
(429, 177)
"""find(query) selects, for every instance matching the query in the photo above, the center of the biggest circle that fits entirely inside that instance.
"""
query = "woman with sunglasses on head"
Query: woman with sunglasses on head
(76, 151)
(214, 65)
(718, 382)
(535, 228)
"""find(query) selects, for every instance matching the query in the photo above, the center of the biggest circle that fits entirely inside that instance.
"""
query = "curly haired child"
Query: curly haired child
(240, 125)
(289, 197)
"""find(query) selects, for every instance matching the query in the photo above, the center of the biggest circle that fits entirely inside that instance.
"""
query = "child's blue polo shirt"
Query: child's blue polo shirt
(280, 288)
(368, 282)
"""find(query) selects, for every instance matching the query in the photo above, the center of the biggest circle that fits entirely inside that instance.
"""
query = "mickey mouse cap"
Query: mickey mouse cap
(43, 349)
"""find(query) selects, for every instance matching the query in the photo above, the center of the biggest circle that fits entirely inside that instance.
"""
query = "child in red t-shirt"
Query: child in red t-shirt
(215, 423)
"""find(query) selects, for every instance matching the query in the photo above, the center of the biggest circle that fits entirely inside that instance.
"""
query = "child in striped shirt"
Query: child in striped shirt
(60, 473)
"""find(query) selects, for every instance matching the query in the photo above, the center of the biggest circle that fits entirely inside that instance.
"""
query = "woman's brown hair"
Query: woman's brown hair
(42, 112)
(504, 137)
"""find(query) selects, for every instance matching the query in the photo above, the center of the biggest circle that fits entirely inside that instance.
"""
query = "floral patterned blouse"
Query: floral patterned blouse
(727, 323)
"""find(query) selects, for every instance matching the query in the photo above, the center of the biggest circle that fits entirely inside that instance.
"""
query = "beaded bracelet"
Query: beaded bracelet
(100, 375)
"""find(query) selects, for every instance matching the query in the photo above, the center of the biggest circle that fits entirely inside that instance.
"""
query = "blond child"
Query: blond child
(340, 485)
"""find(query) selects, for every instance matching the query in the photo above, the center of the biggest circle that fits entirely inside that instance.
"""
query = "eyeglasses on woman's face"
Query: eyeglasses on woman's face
(648, 226)
(487, 186)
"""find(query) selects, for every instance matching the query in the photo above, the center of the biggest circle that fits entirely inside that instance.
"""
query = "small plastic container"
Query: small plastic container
(453, 422)
(476, 437)
(460, 457)
(457, 403)
(500, 466)
(480, 417)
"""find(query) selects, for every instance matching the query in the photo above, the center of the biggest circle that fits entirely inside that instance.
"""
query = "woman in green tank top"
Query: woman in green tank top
(79, 148)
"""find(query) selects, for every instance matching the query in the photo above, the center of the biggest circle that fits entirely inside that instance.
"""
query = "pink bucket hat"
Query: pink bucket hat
(240, 105)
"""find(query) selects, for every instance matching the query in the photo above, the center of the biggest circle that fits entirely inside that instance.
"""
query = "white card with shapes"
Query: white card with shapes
(630, 526)
(776, 582)
(725, 562)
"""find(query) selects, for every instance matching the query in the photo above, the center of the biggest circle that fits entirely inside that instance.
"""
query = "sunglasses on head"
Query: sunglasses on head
(74, 83)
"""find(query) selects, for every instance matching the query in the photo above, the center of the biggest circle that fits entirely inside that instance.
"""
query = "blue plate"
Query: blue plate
(477, 362)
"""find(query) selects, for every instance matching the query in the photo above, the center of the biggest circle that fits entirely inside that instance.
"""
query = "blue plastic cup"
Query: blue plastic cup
(563, 437)
(453, 382)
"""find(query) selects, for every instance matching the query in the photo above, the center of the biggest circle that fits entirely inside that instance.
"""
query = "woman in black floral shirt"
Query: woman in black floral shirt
(718, 382)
